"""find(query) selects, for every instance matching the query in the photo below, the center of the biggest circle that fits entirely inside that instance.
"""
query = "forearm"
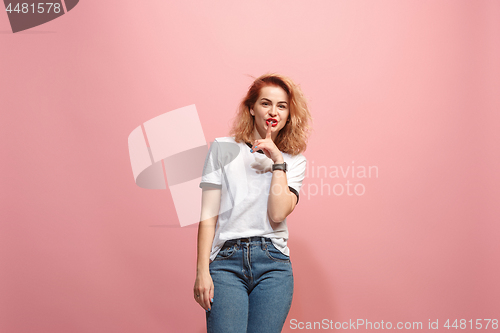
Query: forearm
(206, 232)
(210, 203)
(281, 200)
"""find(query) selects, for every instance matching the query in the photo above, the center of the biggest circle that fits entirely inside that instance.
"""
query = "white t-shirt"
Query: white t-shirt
(245, 180)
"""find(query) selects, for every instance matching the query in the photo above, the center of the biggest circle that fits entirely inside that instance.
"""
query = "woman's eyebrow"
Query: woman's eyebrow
(267, 99)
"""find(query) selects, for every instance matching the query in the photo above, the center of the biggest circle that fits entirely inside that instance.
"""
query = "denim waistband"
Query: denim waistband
(249, 240)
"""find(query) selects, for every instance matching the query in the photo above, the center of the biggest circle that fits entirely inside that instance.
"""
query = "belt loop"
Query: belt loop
(239, 242)
(263, 243)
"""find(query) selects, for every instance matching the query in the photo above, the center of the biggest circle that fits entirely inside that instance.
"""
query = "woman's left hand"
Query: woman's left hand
(268, 147)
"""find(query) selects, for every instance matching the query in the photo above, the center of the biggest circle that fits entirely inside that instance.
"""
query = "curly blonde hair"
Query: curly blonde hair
(292, 138)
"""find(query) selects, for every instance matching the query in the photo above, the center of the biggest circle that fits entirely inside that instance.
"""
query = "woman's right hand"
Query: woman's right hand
(204, 290)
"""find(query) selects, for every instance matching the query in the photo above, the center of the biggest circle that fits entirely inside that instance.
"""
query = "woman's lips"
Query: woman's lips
(273, 121)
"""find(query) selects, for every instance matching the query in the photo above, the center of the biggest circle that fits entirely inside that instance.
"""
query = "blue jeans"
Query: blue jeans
(253, 287)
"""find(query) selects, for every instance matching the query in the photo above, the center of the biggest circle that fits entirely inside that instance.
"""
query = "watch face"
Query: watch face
(280, 166)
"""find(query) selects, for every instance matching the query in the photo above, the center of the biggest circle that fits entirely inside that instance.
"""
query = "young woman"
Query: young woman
(251, 183)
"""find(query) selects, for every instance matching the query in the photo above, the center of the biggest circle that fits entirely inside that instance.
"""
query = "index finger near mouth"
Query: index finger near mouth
(269, 129)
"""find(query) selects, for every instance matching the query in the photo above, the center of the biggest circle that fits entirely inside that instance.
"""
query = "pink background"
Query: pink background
(411, 87)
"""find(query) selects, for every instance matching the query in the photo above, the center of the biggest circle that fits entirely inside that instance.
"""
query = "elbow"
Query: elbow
(278, 213)
(277, 218)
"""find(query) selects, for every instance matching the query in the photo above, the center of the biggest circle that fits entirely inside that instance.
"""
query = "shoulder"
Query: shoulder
(294, 159)
(226, 146)
(228, 143)
(225, 139)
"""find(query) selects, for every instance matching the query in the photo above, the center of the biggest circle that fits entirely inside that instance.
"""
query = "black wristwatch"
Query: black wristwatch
(280, 166)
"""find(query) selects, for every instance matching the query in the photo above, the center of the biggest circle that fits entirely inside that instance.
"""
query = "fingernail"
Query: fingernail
(212, 300)
(251, 150)
(207, 310)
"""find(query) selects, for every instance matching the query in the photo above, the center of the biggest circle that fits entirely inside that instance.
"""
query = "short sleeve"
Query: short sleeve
(296, 174)
(211, 176)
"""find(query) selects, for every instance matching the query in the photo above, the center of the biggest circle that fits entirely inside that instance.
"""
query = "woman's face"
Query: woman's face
(270, 109)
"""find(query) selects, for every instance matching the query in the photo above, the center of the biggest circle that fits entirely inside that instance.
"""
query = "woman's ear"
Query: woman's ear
(251, 112)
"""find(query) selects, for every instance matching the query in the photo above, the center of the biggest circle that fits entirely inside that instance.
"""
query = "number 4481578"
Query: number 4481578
(41, 8)
(462, 324)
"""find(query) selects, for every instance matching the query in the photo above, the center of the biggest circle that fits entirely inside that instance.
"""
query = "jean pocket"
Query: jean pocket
(226, 252)
(275, 254)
